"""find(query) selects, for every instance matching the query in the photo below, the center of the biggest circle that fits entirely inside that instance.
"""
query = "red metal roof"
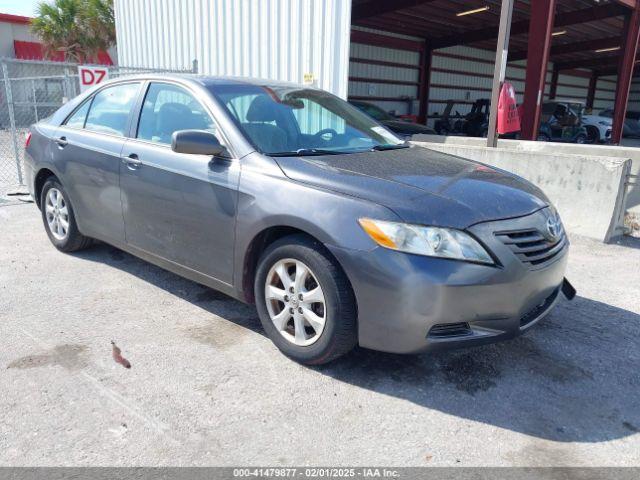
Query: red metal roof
(7, 17)
(34, 51)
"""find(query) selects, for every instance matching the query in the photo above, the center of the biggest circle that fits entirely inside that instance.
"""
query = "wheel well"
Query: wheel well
(592, 130)
(258, 245)
(41, 177)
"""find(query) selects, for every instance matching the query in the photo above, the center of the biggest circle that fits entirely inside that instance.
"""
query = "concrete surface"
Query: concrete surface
(207, 388)
(587, 190)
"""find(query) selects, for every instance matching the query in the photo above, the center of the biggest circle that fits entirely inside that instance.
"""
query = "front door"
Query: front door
(179, 207)
(87, 149)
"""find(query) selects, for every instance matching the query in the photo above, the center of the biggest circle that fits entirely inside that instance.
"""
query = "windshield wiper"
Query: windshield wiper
(380, 148)
(319, 151)
(307, 151)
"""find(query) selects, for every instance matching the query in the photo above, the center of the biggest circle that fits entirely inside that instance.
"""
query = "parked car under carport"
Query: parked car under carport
(631, 126)
(399, 127)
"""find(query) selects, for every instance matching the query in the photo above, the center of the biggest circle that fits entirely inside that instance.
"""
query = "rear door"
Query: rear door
(179, 207)
(87, 153)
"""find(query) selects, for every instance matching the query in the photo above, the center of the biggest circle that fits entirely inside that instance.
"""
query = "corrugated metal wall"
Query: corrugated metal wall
(576, 88)
(362, 88)
(458, 73)
(605, 93)
(634, 96)
(465, 74)
(571, 87)
(276, 39)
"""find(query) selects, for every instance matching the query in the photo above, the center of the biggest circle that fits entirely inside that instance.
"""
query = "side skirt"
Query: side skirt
(178, 269)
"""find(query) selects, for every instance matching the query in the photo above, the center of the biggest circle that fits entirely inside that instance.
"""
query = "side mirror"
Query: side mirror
(196, 142)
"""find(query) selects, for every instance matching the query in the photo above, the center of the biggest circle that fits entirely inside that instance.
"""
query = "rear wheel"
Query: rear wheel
(305, 301)
(58, 218)
(582, 138)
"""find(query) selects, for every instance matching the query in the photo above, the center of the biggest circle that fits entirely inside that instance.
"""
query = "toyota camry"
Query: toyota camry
(288, 197)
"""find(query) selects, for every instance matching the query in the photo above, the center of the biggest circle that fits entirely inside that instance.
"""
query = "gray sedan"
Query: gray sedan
(292, 199)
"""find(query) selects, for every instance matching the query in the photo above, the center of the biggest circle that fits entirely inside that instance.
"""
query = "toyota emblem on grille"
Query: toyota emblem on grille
(553, 228)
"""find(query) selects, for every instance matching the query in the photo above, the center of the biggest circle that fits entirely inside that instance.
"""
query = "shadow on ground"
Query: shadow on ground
(629, 242)
(572, 378)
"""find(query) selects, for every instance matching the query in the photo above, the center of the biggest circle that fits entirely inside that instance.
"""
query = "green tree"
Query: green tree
(78, 28)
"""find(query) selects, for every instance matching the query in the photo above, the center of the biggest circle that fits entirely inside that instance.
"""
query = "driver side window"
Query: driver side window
(168, 108)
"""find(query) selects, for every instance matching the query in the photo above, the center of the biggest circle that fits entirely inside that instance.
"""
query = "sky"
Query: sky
(19, 7)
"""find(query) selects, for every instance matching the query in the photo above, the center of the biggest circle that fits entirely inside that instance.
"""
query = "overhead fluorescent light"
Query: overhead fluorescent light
(471, 12)
(560, 32)
(610, 49)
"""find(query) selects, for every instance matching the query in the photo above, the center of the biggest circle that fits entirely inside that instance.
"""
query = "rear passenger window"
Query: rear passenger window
(168, 108)
(110, 109)
(79, 116)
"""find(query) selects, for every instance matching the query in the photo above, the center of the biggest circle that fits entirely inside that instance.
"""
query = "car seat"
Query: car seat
(175, 116)
(260, 125)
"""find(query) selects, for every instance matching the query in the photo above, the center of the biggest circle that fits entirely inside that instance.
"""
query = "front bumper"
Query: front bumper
(410, 303)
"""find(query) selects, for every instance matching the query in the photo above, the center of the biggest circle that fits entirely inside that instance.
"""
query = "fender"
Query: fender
(262, 205)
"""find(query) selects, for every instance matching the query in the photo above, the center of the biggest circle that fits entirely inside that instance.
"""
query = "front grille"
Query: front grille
(532, 314)
(531, 247)
(443, 330)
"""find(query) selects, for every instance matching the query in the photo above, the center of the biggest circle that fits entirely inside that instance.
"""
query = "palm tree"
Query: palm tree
(99, 24)
(78, 28)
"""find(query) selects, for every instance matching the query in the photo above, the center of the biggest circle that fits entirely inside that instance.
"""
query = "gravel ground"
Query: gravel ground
(207, 388)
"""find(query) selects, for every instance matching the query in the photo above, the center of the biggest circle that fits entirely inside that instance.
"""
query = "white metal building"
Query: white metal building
(277, 39)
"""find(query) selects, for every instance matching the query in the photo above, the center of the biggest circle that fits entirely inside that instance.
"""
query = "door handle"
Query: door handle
(132, 161)
(62, 142)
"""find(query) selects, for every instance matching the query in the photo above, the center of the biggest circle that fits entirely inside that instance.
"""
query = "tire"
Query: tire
(67, 239)
(581, 139)
(543, 138)
(338, 333)
(593, 135)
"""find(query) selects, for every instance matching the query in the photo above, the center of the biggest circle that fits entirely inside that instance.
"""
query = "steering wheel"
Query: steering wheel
(326, 134)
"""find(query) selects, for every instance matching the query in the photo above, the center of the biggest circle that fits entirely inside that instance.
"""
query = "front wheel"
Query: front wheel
(59, 219)
(305, 302)
(593, 135)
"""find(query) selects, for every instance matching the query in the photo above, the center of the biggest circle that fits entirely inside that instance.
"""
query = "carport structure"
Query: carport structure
(592, 38)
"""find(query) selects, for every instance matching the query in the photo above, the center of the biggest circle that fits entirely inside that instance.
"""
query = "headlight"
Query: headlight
(430, 241)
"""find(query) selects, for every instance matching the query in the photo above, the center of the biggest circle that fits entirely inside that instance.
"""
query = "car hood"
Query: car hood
(596, 118)
(421, 185)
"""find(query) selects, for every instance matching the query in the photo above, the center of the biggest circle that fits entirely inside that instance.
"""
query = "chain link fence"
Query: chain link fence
(31, 91)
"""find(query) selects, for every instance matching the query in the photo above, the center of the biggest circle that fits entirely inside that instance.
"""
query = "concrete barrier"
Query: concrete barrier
(632, 192)
(588, 190)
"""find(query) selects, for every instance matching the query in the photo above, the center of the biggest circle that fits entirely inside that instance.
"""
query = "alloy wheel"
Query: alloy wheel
(295, 302)
(57, 214)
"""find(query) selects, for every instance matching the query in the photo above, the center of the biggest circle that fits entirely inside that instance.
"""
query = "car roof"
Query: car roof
(565, 100)
(210, 80)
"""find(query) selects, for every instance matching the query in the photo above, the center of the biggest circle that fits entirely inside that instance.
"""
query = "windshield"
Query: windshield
(576, 108)
(301, 121)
